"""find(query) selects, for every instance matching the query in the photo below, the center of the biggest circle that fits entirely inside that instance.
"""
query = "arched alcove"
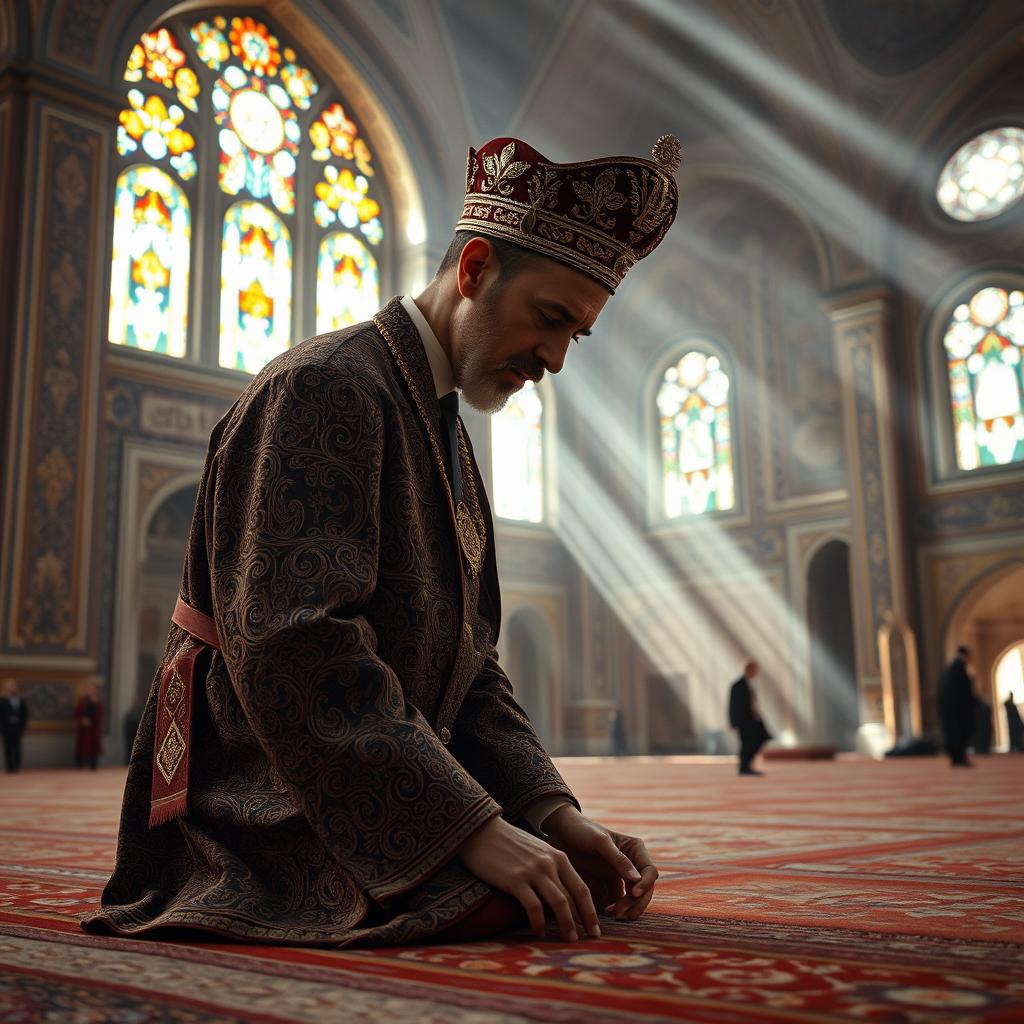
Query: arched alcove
(989, 619)
(531, 666)
(1008, 685)
(159, 575)
(833, 667)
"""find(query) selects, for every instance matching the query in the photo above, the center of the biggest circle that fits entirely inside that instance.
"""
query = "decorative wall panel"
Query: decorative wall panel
(58, 375)
(872, 442)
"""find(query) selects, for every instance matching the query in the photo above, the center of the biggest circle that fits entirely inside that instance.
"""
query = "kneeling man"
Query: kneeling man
(331, 753)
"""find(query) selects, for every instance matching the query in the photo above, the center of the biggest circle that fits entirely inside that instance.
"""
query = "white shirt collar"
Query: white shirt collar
(440, 367)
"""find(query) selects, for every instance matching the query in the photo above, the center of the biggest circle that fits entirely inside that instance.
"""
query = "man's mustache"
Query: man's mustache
(528, 367)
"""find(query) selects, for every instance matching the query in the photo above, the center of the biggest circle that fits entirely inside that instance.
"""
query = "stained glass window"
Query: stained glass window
(148, 123)
(517, 448)
(984, 342)
(343, 193)
(347, 287)
(149, 269)
(158, 57)
(224, 107)
(985, 176)
(696, 437)
(255, 287)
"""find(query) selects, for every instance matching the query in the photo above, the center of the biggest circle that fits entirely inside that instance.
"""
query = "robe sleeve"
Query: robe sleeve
(492, 736)
(294, 556)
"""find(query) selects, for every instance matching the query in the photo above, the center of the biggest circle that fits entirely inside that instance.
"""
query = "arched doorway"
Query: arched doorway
(989, 620)
(530, 665)
(832, 662)
(159, 578)
(1008, 677)
(156, 516)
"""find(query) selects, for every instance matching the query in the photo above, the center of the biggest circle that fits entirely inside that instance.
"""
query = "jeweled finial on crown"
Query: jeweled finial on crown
(668, 153)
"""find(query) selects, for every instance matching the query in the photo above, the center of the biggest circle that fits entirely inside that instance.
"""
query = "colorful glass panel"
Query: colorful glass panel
(696, 437)
(342, 196)
(256, 287)
(299, 82)
(984, 343)
(259, 138)
(347, 283)
(254, 45)
(334, 133)
(150, 124)
(210, 42)
(158, 57)
(985, 176)
(150, 264)
(517, 447)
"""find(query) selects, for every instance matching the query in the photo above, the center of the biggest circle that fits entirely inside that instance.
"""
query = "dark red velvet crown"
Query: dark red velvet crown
(599, 216)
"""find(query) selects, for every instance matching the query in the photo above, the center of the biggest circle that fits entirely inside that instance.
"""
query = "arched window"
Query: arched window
(517, 454)
(984, 177)
(696, 436)
(984, 342)
(234, 153)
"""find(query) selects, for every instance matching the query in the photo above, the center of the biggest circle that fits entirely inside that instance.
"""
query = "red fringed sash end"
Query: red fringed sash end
(172, 743)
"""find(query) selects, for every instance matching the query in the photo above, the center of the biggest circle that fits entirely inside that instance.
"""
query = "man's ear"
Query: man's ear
(476, 258)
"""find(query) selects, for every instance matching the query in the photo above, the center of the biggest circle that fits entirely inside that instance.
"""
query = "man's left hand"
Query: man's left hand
(616, 867)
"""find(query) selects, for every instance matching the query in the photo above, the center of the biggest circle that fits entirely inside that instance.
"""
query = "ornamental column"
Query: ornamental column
(56, 134)
(873, 435)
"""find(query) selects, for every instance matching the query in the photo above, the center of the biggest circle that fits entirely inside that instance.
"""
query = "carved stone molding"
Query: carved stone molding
(863, 339)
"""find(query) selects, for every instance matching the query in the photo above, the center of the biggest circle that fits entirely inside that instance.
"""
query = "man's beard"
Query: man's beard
(480, 382)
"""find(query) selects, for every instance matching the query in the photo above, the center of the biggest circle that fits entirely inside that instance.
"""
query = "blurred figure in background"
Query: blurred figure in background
(745, 718)
(88, 723)
(1014, 725)
(981, 739)
(13, 720)
(619, 745)
(956, 708)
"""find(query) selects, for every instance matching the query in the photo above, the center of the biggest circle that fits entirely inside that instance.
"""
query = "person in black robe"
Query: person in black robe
(981, 739)
(13, 721)
(745, 718)
(956, 708)
(1014, 725)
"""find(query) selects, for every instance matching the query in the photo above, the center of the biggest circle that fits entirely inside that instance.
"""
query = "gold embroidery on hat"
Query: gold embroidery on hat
(649, 199)
(598, 198)
(668, 153)
(501, 169)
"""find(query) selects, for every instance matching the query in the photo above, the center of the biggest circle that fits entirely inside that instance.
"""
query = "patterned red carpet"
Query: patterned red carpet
(873, 892)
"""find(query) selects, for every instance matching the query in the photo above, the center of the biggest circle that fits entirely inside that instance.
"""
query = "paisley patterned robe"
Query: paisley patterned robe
(355, 727)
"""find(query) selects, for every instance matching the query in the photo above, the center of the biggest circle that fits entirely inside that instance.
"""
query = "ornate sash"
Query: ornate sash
(173, 736)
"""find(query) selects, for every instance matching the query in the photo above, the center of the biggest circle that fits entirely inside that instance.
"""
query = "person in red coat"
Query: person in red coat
(88, 723)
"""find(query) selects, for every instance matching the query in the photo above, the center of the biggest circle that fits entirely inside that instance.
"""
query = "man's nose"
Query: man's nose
(552, 354)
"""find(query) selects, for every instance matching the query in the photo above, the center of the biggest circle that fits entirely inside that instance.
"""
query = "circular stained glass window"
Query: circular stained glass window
(985, 176)
(257, 121)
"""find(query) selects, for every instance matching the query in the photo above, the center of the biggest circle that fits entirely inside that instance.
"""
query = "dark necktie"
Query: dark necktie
(450, 413)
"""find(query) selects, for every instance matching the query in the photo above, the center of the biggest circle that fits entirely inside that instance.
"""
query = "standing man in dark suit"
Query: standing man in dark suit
(745, 718)
(1014, 725)
(13, 719)
(956, 708)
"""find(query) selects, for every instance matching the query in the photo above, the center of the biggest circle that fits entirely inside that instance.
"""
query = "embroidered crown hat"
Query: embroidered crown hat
(598, 216)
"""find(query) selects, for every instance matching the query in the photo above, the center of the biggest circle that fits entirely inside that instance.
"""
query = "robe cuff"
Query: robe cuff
(524, 801)
(438, 853)
(539, 811)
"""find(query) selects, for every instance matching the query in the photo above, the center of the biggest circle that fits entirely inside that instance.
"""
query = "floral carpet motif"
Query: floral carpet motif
(826, 891)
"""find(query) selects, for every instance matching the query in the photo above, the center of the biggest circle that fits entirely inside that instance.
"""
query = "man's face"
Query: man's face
(517, 328)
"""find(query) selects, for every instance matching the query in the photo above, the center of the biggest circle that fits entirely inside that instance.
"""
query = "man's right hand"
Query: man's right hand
(535, 874)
